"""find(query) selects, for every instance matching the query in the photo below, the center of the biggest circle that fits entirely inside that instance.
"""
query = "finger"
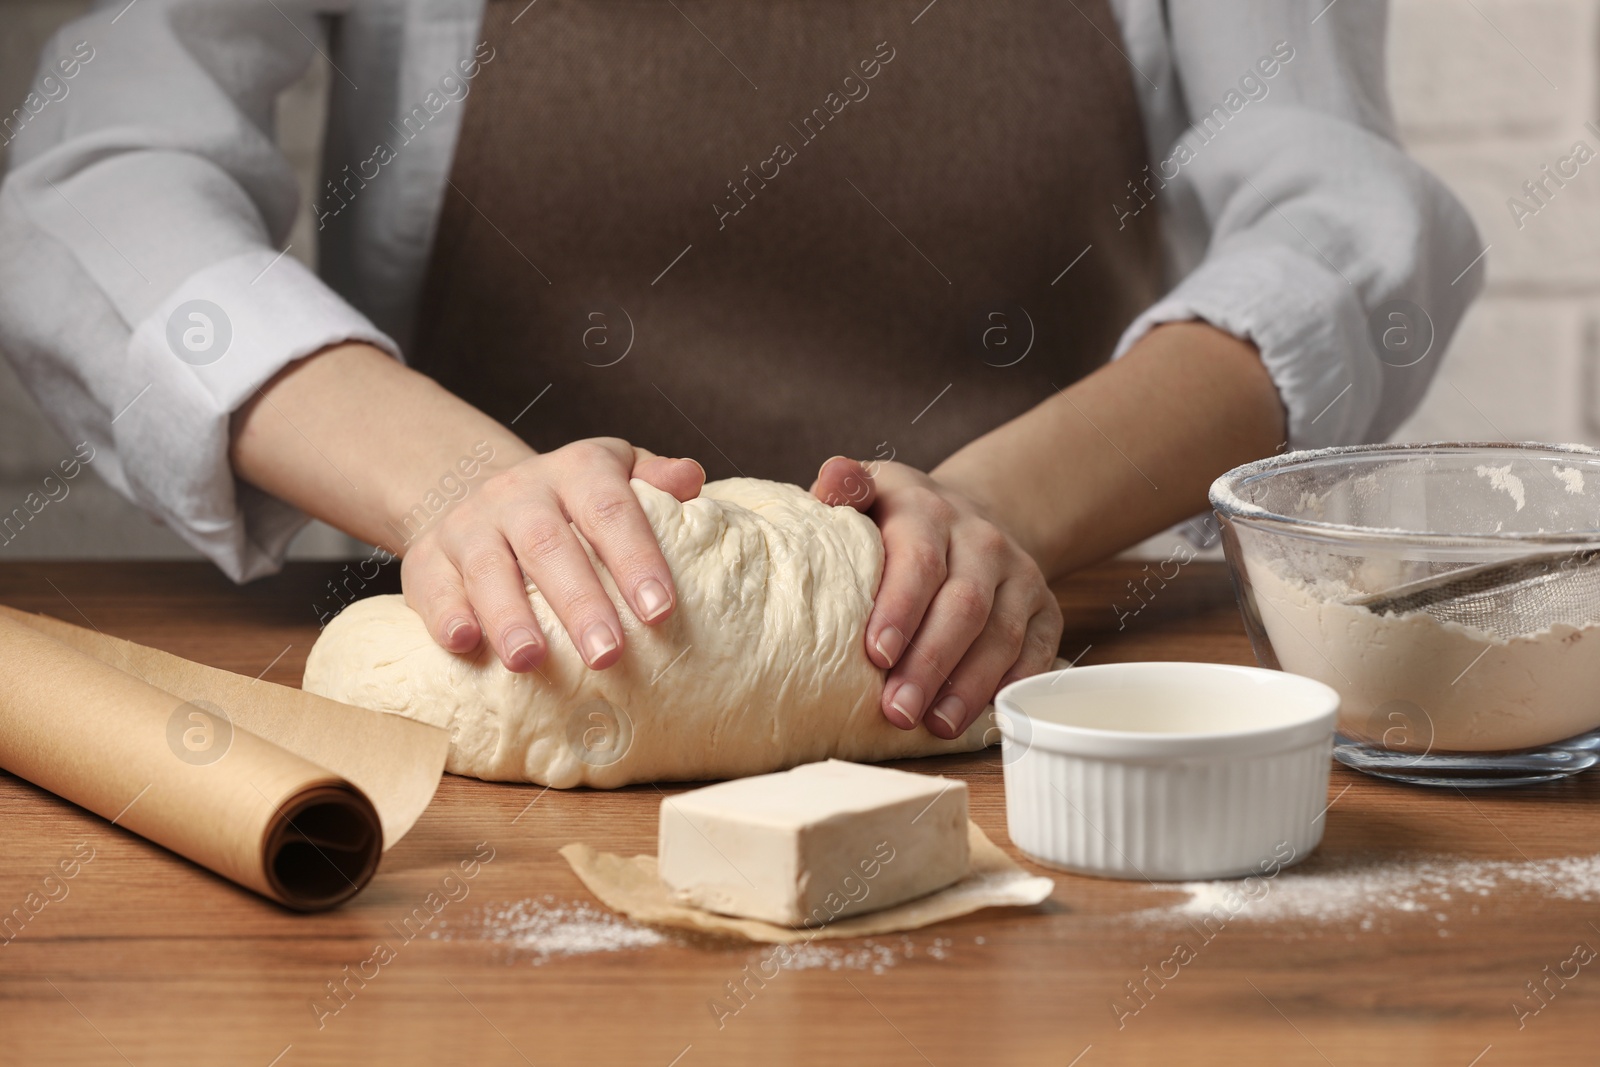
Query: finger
(683, 478)
(958, 614)
(434, 590)
(609, 515)
(1040, 647)
(494, 587)
(916, 543)
(844, 482)
(552, 556)
(998, 648)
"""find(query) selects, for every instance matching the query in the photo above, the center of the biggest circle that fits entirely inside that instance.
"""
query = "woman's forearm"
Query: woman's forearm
(1127, 451)
(359, 441)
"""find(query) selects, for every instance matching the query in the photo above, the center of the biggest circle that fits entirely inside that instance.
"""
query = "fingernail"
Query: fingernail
(653, 599)
(521, 648)
(908, 701)
(890, 643)
(950, 711)
(454, 629)
(597, 641)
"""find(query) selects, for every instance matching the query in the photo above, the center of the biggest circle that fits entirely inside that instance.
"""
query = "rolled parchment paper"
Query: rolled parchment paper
(187, 773)
(395, 761)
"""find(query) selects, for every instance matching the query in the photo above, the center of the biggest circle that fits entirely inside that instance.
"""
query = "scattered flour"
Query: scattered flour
(1371, 892)
(871, 955)
(1502, 478)
(545, 928)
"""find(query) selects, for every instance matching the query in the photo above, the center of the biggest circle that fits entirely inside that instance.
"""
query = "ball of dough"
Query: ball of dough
(761, 666)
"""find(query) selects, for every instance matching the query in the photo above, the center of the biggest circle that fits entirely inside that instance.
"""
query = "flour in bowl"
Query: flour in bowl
(1413, 683)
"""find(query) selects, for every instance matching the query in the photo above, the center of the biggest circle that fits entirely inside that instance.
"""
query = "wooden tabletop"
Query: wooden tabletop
(143, 959)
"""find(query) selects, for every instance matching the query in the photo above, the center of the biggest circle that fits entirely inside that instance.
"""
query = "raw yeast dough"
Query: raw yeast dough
(761, 667)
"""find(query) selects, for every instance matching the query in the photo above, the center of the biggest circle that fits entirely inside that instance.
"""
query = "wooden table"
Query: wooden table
(148, 960)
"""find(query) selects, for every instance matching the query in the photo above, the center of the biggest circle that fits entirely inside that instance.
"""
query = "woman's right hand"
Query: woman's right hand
(464, 574)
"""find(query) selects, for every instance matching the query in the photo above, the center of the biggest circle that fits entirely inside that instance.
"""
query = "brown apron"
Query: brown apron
(762, 234)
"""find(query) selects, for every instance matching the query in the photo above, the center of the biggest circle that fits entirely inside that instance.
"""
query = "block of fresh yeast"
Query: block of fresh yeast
(807, 846)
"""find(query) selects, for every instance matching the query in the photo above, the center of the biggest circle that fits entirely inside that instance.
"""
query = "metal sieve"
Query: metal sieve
(1508, 598)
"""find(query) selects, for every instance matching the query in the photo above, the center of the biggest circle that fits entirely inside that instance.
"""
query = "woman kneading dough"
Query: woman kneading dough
(1015, 281)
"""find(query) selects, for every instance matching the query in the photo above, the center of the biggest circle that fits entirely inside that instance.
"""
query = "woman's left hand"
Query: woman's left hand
(962, 609)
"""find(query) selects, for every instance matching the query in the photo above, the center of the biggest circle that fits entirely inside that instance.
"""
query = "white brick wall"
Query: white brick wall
(1460, 70)
(1486, 92)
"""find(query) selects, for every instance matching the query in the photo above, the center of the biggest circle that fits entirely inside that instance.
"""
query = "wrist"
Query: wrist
(355, 438)
(968, 476)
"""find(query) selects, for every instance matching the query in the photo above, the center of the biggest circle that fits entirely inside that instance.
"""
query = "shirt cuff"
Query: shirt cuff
(1308, 324)
(205, 350)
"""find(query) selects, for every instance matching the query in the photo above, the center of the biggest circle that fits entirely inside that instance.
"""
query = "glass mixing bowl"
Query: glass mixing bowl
(1318, 544)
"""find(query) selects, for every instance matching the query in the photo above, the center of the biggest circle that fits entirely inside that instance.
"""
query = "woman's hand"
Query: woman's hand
(962, 609)
(464, 575)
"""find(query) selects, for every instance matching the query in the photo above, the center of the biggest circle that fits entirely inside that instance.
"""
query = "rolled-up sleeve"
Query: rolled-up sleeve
(1316, 222)
(144, 293)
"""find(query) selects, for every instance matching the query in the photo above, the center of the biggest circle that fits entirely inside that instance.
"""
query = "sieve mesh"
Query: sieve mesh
(1507, 599)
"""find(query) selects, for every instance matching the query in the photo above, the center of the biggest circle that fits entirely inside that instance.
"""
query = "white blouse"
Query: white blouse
(147, 178)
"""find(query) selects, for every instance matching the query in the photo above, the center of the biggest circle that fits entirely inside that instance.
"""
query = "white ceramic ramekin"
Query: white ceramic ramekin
(1166, 771)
